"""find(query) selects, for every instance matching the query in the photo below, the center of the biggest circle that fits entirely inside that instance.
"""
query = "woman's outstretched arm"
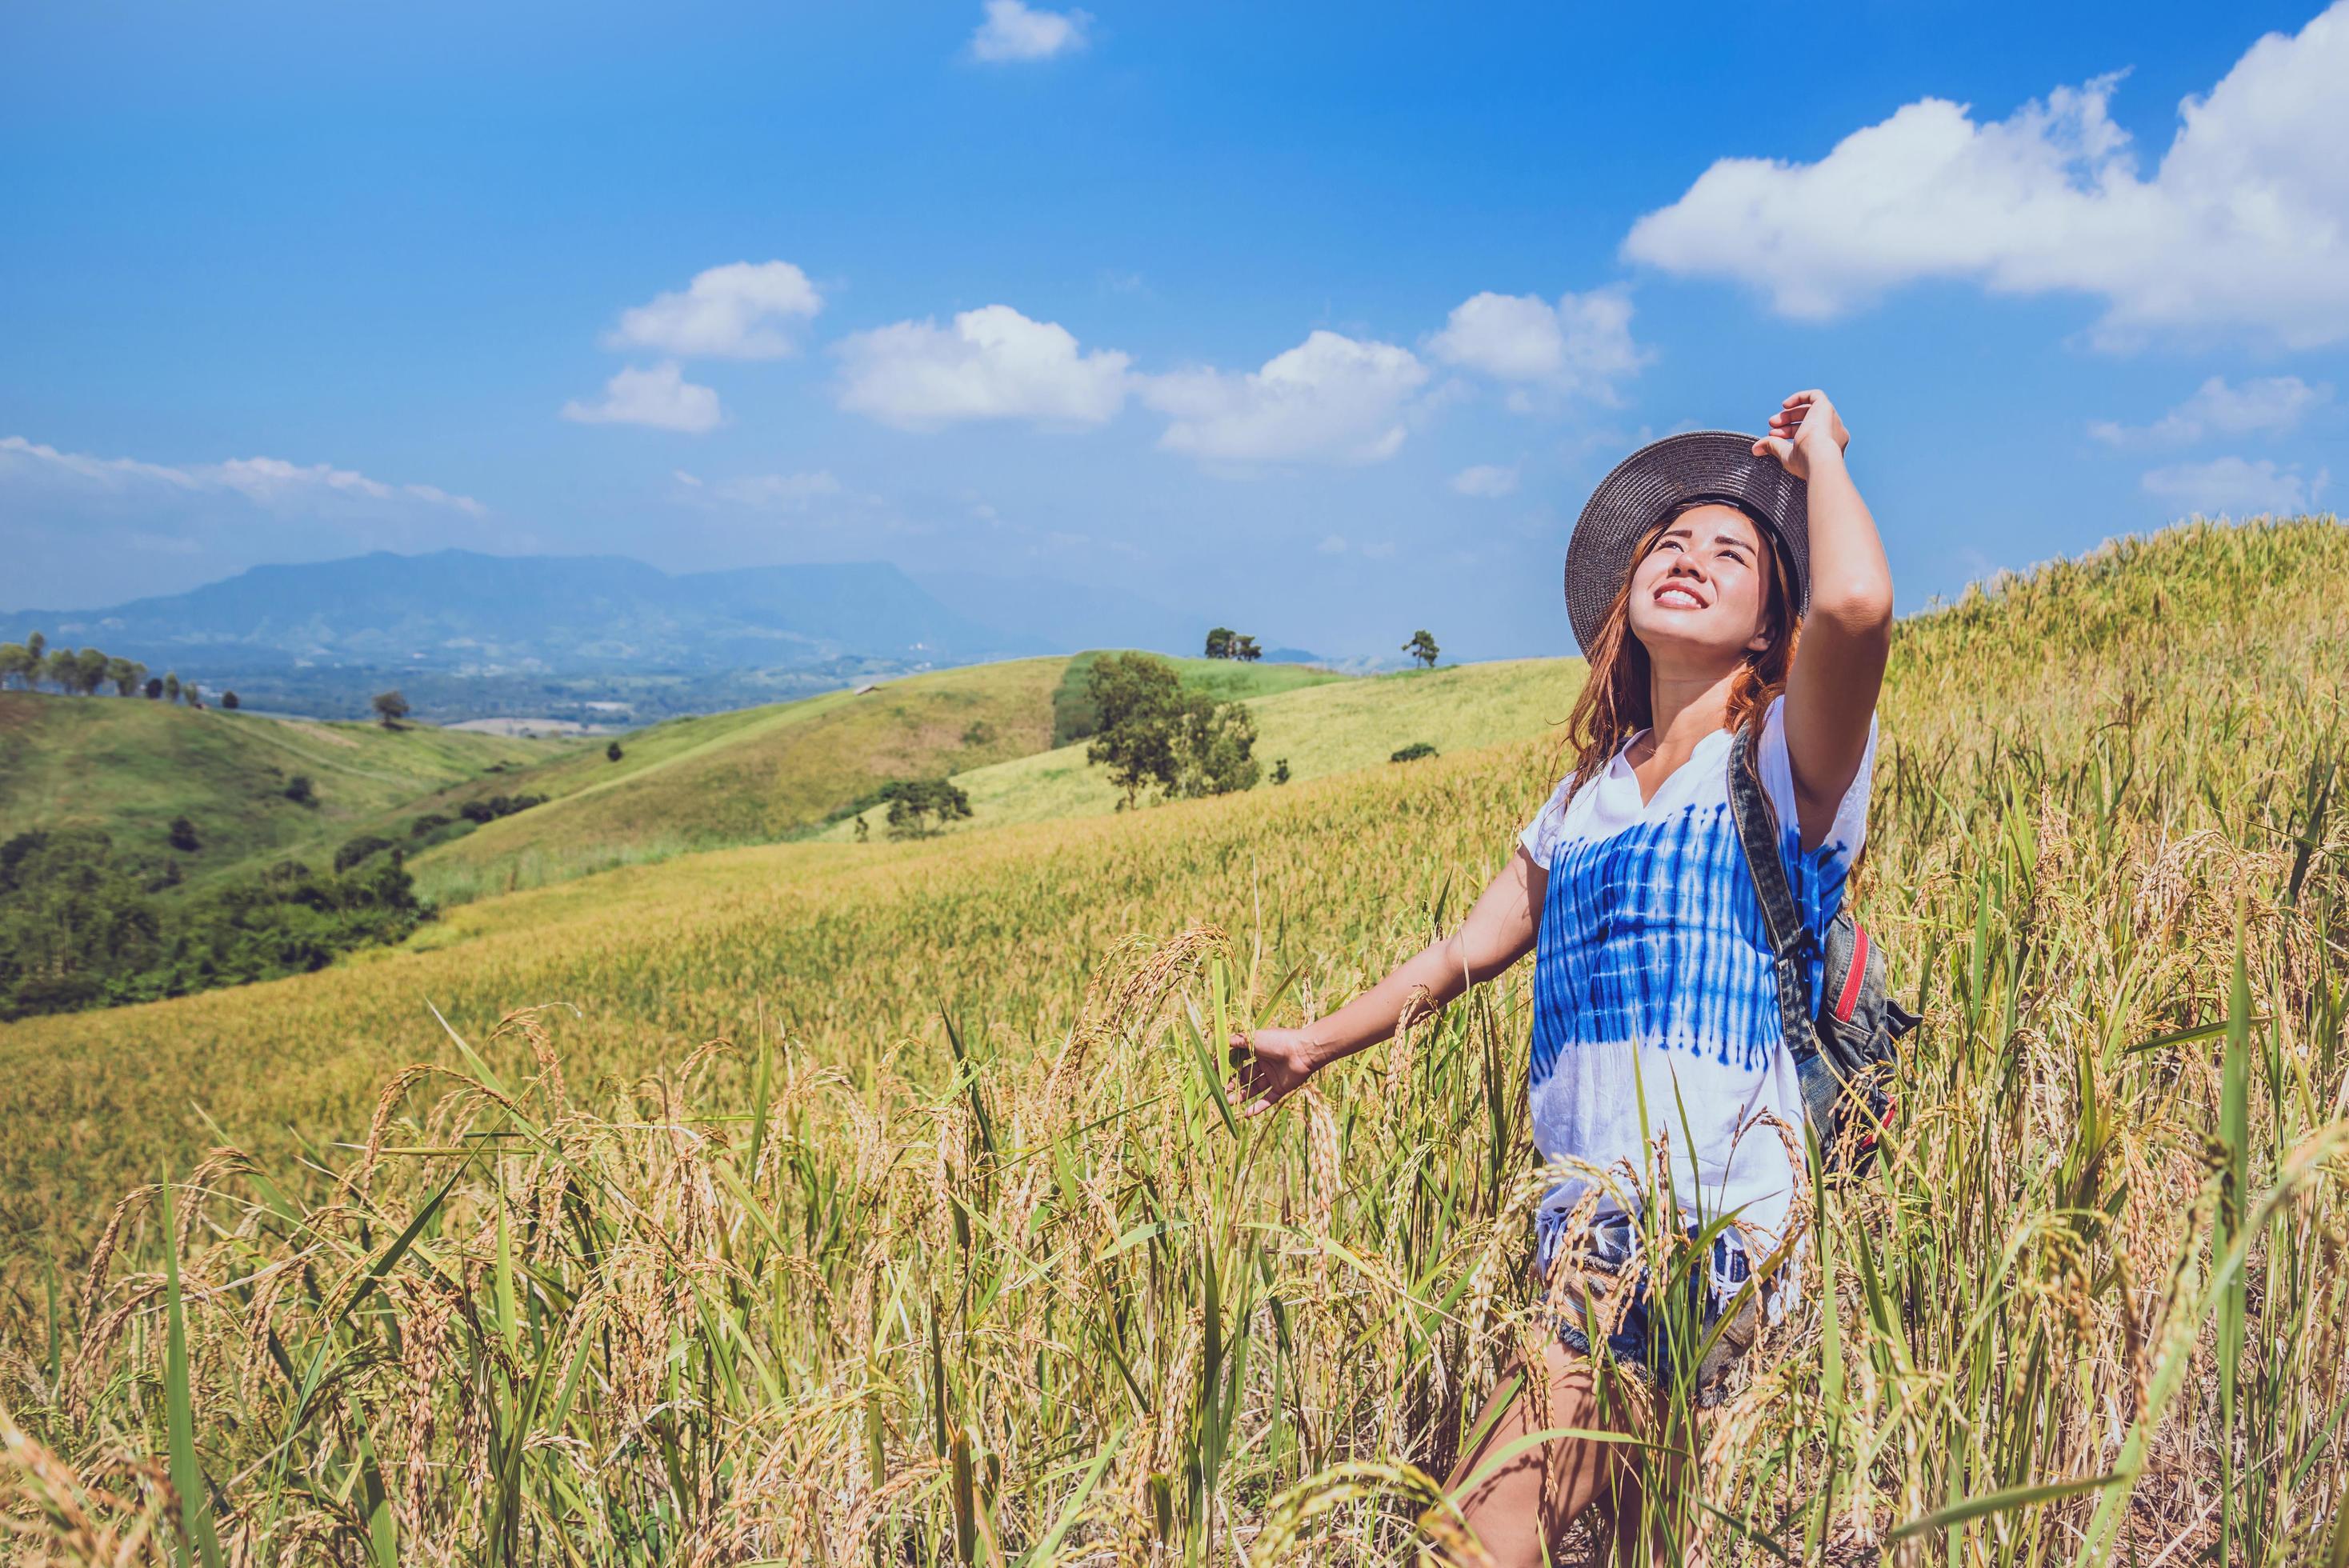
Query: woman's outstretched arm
(1273, 1064)
(1848, 635)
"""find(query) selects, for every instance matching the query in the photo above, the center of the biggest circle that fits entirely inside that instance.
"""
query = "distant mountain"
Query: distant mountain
(457, 612)
(567, 636)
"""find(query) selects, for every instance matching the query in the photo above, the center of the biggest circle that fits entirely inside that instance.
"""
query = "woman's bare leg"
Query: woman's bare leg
(1522, 1510)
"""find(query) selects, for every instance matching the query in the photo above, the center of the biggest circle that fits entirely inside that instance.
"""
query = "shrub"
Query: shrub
(613, 753)
(183, 835)
(920, 808)
(430, 822)
(300, 790)
(1414, 752)
(359, 849)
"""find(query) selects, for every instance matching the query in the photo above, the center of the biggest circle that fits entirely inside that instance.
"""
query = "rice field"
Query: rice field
(878, 1204)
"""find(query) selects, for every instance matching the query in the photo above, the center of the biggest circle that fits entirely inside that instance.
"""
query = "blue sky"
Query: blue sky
(1320, 320)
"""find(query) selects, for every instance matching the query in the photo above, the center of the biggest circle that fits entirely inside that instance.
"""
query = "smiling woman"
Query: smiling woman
(1662, 1082)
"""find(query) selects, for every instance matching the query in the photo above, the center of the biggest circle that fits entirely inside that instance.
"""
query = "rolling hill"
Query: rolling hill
(130, 766)
(780, 771)
(1322, 728)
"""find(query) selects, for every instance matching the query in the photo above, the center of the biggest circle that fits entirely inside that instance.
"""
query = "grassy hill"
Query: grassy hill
(949, 1235)
(768, 773)
(1323, 727)
(130, 766)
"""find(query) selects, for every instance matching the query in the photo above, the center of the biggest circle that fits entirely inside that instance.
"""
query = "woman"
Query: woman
(1655, 1017)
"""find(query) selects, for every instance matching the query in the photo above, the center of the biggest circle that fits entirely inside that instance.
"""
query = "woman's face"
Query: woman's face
(1699, 595)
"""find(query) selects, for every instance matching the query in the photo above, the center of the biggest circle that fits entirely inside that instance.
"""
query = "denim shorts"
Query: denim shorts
(1638, 1341)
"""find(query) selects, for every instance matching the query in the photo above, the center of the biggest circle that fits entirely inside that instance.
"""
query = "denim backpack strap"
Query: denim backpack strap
(1790, 945)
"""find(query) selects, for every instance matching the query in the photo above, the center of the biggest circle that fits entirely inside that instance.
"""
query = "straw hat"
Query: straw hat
(1658, 479)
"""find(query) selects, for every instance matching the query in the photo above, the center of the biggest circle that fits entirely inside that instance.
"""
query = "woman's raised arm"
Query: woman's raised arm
(1273, 1064)
(1848, 635)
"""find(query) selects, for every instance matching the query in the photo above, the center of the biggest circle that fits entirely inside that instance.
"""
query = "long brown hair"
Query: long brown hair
(1618, 701)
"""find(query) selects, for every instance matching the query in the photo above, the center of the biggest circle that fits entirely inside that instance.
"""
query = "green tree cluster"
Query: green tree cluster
(1153, 732)
(1223, 643)
(81, 925)
(921, 808)
(33, 664)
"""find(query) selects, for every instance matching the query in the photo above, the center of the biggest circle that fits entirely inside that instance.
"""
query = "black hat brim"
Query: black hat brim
(1658, 479)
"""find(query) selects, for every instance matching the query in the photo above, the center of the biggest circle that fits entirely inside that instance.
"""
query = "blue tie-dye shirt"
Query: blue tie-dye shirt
(1651, 978)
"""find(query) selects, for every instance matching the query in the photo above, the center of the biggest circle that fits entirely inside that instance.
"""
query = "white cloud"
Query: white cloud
(2244, 223)
(779, 492)
(2271, 406)
(993, 364)
(1582, 344)
(1486, 480)
(1333, 544)
(661, 398)
(1013, 32)
(2235, 487)
(1329, 399)
(739, 311)
(271, 483)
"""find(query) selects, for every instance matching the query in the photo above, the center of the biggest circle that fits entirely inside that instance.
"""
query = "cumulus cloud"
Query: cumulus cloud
(2271, 406)
(271, 483)
(1486, 480)
(1582, 344)
(661, 398)
(1013, 32)
(741, 311)
(2243, 223)
(993, 364)
(2235, 487)
(1331, 399)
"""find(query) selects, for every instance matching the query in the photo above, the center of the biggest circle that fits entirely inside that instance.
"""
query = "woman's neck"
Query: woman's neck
(1687, 708)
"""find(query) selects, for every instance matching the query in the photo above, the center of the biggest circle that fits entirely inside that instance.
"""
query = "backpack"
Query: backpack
(1848, 1054)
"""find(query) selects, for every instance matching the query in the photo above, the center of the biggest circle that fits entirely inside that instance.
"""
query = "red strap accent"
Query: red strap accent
(1850, 998)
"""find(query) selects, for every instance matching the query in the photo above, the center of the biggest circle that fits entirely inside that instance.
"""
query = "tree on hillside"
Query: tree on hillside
(16, 664)
(613, 753)
(921, 808)
(228, 701)
(1219, 643)
(1153, 732)
(390, 707)
(193, 692)
(154, 688)
(1421, 647)
(37, 645)
(1138, 698)
(1245, 650)
(91, 667)
(1214, 749)
(171, 686)
(60, 668)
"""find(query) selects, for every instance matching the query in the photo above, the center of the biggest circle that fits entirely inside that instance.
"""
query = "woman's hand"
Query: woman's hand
(1802, 428)
(1272, 1064)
